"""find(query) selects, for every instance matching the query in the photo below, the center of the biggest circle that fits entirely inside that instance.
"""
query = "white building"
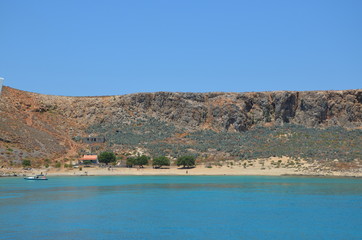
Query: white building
(1, 84)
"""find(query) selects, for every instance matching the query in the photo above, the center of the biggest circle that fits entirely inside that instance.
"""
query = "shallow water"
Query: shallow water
(181, 207)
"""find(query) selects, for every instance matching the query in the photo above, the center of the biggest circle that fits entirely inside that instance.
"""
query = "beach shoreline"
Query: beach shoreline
(176, 171)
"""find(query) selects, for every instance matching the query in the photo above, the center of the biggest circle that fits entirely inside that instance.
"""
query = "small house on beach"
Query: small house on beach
(88, 159)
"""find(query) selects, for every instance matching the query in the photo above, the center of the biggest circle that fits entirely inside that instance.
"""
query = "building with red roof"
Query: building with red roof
(86, 159)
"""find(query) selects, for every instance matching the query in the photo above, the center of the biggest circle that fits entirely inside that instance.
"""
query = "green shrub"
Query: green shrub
(106, 157)
(186, 161)
(130, 161)
(26, 163)
(141, 160)
(161, 161)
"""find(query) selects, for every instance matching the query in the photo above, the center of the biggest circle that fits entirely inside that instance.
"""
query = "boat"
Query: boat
(37, 177)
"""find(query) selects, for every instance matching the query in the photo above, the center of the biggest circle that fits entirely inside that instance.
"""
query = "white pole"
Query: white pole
(1, 84)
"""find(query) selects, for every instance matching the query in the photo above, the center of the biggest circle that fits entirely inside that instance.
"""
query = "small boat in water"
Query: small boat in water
(37, 177)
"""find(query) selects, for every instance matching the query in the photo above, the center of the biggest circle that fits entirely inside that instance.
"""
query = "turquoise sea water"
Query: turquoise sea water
(181, 207)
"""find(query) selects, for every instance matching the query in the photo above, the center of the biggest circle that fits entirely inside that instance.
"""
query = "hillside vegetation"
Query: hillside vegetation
(295, 141)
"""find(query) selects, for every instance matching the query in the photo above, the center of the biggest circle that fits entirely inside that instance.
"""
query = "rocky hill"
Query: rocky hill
(316, 124)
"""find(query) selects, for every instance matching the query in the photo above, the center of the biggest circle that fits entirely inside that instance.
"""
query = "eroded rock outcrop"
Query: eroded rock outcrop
(218, 111)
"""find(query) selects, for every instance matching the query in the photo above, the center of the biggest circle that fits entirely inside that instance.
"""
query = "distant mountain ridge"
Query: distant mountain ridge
(41, 126)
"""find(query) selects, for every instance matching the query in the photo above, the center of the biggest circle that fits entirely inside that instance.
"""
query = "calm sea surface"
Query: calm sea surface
(181, 207)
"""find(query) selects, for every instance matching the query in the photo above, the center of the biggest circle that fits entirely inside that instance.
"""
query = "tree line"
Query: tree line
(142, 160)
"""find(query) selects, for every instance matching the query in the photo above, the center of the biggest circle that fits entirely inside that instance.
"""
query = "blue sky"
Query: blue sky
(80, 48)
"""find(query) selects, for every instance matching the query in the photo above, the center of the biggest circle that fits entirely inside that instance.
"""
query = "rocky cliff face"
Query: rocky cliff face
(218, 111)
(43, 124)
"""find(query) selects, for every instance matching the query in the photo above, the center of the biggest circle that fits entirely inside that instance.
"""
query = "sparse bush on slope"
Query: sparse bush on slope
(260, 142)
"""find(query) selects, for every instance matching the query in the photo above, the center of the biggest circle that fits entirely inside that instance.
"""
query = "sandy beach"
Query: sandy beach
(259, 167)
(200, 170)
